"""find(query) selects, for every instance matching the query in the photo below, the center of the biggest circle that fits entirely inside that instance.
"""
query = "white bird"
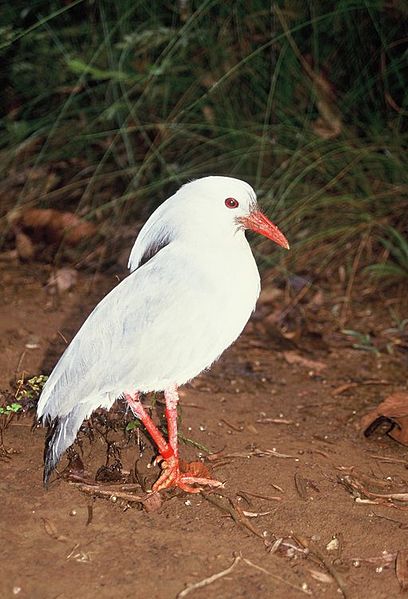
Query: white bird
(193, 286)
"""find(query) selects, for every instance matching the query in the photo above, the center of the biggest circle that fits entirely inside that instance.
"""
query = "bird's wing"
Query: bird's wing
(155, 234)
(123, 328)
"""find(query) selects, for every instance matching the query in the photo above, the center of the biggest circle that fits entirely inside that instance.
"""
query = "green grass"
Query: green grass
(111, 106)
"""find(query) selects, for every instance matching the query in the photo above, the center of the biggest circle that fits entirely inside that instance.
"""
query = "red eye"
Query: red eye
(231, 203)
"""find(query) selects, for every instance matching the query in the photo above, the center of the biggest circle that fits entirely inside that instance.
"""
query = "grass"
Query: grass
(111, 106)
(395, 265)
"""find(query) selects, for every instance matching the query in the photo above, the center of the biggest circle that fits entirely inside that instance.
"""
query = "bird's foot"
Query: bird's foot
(176, 473)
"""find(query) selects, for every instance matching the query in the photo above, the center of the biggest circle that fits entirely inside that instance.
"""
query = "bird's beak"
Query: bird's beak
(258, 222)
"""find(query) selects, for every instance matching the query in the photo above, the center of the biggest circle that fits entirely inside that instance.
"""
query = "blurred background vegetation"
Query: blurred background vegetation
(107, 107)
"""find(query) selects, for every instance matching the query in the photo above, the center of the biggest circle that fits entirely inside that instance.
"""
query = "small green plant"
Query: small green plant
(364, 341)
(29, 391)
(9, 409)
(25, 397)
(7, 412)
(131, 426)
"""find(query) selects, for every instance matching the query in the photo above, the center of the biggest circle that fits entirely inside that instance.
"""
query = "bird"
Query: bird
(192, 287)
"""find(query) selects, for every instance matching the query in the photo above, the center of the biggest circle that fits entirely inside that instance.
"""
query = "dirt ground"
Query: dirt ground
(303, 511)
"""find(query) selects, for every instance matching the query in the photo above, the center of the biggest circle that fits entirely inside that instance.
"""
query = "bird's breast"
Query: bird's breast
(231, 286)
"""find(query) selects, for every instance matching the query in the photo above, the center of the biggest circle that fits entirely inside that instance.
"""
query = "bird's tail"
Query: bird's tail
(61, 435)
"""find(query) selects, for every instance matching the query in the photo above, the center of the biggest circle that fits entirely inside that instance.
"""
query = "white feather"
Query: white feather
(173, 316)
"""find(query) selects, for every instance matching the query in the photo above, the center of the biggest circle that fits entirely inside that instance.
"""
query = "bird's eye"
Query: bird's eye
(231, 203)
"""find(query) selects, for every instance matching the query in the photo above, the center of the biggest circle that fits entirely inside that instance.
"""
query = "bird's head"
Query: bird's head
(229, 206)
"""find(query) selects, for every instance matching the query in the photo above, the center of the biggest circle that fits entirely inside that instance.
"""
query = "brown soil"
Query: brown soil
(289, 437)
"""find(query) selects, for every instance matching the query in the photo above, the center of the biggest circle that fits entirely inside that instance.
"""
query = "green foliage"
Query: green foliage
(396, 267)
(125, 100)
(131, 426)
(363, 341)
(29, 391)
(9, 409)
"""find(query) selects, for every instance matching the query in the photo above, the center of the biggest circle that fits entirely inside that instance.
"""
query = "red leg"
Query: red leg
(171, 475)
(138, 410)
(172, 400)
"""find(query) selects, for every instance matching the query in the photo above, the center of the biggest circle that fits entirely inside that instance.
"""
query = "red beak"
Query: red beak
(258, 222)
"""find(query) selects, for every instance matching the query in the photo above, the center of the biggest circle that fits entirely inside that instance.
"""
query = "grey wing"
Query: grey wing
(93, 369)
(90, 367)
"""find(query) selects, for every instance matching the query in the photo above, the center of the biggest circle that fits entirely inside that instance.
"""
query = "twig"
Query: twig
(235, 514)
(20, 361)
(262, 453)
(206, 581)
(109, 493)
(62, 337)
(90, 512)
(258, 496)
(237, 429)
(342, 388)
(315, 553)
(275, 421)
(389, 459)
(303, 590)
(402, 525)
(356, 488)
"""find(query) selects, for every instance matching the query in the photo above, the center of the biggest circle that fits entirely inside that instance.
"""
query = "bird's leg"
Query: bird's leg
(172, 399)
(138, 410)
(171, 475)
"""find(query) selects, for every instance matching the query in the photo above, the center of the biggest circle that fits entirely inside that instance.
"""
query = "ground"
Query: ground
(300, 513)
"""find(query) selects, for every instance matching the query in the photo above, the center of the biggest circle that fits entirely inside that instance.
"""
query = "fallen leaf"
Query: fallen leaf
(292, 357)
(401, 569)
(393, 410)
(269, 295)
(51, 530)
(55, 226)
(62, 280)
(321, 576)
(152, 502)
(255, 514)
(24, 247)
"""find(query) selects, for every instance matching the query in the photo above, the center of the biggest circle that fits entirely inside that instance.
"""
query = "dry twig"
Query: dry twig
(314, 552)
(206, 581)
(259, 496)
(210, 579)
(342, 388)
(236, 513)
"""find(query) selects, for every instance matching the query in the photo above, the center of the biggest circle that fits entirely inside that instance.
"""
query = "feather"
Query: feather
(192, 288)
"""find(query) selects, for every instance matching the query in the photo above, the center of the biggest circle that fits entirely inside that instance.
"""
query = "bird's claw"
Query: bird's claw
(172, 476)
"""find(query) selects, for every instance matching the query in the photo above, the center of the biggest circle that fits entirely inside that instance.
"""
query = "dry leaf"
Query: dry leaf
(255, 514)
(62, 280)
(55, 226)
(401, 569)
(394, 410)
(24, 246)
(269, 295)
(152, 502)
(51, 530)
(321, 576)
(292, 357)
(209, 114)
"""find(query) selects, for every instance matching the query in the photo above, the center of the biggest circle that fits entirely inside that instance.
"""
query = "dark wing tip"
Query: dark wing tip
(50, 458)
